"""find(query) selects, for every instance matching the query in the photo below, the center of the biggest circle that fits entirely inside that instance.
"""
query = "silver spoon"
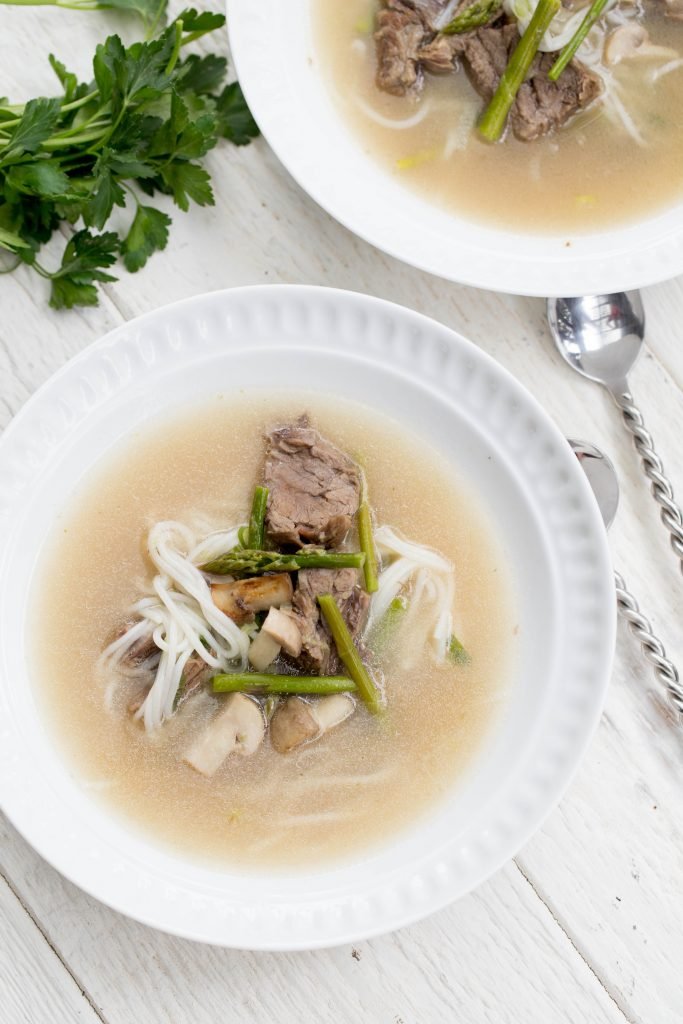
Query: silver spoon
(602, 477)
(601, 336)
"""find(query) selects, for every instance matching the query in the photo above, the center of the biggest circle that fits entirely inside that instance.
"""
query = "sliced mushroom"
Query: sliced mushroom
(240, 599)
(238, 728)
(263, 651)
(284, 630)
(299, 721)
(632, 41)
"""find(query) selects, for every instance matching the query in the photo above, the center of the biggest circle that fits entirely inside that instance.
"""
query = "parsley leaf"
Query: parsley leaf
(188, 181)
(148, 234)
(37, 124)
(84, 256)
(235, 121)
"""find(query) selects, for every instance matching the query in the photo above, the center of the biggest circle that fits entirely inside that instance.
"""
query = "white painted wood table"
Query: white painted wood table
(586, 925)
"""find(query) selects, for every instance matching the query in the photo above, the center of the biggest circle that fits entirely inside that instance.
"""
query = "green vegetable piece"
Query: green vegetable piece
(235, 121)
(348, 652)
(84, 256)
(479, 13)
(245, 562)
(148, 234)
(456, 652)
(263, 683)
(367, 545)
(568, 52)
(384, 631)
(143, 125)
(243, 536)
(493, 121)
(257, 521)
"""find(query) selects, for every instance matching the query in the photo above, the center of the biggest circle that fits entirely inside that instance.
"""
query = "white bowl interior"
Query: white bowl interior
(288, 91)
(499, 443)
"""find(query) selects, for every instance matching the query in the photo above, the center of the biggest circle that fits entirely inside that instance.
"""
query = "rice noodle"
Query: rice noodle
(181, 617)
(617, 112)
(389, 122)
(434, 583)
(446, 15)
(563, 26)
(666, 69)
(459, 136)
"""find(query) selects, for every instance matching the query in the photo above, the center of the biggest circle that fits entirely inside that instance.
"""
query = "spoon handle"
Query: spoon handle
(653, 649)
(652, 464)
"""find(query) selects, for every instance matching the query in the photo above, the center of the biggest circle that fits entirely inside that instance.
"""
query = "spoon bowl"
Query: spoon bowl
(600, 336)
(602, 476)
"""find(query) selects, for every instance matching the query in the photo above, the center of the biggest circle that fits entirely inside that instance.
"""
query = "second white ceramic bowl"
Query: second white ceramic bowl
(285, 85)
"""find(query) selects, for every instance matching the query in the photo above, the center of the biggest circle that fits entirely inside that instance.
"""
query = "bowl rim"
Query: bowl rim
(421, 333)
(286, 96)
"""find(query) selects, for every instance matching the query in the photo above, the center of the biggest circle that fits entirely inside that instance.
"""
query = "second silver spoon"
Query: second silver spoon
(602, 477)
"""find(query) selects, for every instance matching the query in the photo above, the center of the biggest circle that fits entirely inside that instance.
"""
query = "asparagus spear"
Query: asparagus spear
(385, 630)
(264, 683)
(257, 520)
(569, 51)
(243, 536)
(367, 544)
(493, 122)
(479, 13)
(245, 562)
(348, 652)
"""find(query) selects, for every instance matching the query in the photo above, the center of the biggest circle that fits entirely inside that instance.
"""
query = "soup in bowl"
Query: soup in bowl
(471, 142)
(291, 665)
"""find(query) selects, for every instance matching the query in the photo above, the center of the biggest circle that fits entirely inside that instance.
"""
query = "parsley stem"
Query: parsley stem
(66, 142)
(178, 42)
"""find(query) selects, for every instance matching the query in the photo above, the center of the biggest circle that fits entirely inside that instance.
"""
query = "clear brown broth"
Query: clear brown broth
(587, 176)
(360, 783)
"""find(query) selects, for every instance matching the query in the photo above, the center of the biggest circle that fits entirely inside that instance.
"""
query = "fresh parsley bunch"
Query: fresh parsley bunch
(141, 126)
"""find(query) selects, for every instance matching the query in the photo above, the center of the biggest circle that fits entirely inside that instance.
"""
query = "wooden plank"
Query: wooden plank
(427, 973)
(34, 984)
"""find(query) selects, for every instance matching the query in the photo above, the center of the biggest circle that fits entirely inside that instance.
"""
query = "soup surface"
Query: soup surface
(614, 163)
(359, 783)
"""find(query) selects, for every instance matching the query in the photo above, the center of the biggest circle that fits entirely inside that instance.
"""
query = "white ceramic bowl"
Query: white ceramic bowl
(286, 88)
(455, 397)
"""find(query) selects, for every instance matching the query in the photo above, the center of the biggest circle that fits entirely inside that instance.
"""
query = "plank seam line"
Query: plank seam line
(613, 998)
(27, 910)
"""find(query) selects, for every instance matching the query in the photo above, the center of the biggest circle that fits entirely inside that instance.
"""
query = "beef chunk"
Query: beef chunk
(399, 36)
(314, 488)
(541, 105)
(318, 653)
(404, 29)
(674, 9)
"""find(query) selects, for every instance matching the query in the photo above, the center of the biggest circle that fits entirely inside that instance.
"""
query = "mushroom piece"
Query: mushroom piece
(238, 728)
(263, 651)
(282, 628)
(300, 721)
(633, 41)
(240, 599)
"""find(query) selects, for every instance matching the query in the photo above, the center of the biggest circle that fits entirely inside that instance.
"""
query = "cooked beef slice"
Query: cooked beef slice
(407, 45)
(407, 42)
(400, 34)
(674, 9)
(404, 29)
(541, 105)
(314, 489)
(318, 653)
